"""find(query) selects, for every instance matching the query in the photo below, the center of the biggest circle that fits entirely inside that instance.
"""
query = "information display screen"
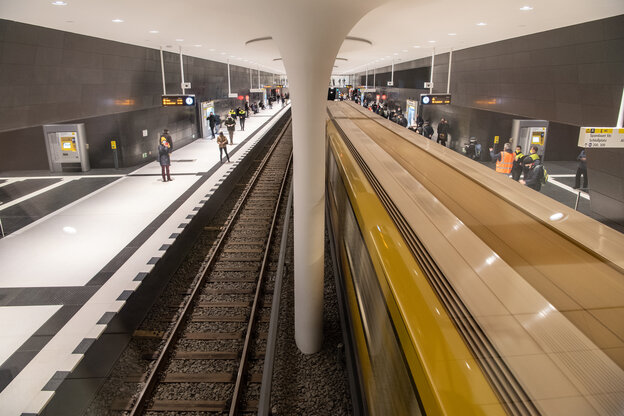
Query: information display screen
(67, 141)
(178, 100)
(427, 99)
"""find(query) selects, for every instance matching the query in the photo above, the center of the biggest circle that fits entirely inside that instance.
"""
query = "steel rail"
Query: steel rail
(269, 356)
(151, 381)
(242, 369)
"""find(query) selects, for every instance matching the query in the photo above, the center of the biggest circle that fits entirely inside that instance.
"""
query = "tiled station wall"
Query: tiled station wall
(572, 76)
(50, 76)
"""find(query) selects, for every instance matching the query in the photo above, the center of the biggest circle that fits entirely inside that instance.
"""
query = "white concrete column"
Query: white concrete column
(308, 52)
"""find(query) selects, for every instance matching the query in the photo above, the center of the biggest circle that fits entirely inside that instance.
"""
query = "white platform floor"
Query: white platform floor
(71, 245)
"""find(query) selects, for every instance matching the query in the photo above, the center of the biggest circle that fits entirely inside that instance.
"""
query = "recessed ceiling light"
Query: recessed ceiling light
(117, 21)
(153, 31)
(452, 34)
(211, 49)
(525, 8)
(59, 3)
(396, 53)
(432, 41)
(198, 46)
(223, 53)
(179, 40)
(232, 56)
(481, 24)
(416, 46)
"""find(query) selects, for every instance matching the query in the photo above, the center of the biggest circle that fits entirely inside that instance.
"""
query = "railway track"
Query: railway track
(210, 359)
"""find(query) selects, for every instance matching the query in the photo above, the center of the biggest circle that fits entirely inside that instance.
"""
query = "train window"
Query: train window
(391, 389)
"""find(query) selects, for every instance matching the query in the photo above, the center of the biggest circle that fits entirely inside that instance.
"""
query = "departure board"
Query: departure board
(178, 100)
(427, 99)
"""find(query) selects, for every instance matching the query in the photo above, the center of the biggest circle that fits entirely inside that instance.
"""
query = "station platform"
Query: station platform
(78, 246)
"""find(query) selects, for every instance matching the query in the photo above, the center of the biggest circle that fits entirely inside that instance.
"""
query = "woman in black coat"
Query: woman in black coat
(163, 157)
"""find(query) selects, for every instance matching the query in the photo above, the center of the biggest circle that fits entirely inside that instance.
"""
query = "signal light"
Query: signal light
(240, 97)
(383, 97)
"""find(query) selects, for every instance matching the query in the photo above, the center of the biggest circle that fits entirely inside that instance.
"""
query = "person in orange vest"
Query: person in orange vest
(504, 160)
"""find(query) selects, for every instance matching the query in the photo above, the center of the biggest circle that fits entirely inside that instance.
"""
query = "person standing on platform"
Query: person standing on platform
(230, 123)
(534, 175)
(419, 121)
(532, 156)
(242, 115)
(428, 130)
(581, 170)
(222, 141)
(504, 160)
(163, 158)
(217, 122)
(516, 169)
(211, 122)
(443, 128)
(167, 137)
(233, 113)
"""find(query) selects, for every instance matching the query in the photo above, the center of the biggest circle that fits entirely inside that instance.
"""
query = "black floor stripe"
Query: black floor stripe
(18, 189)
(31, 347)
(28, 211)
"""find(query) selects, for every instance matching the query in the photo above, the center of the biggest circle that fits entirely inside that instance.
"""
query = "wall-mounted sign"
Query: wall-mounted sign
(390, 83)
(426, 99)
(178, 100)
(603, 137)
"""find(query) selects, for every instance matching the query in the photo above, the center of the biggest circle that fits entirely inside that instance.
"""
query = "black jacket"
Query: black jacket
(533, 177)
(428, 131)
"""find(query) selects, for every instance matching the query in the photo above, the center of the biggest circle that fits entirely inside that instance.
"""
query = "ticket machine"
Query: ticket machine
(67, 147)
(527, 133)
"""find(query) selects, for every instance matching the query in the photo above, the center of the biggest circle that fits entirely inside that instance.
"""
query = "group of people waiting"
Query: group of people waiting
(517, 163)
(531, 167)
(165, 146)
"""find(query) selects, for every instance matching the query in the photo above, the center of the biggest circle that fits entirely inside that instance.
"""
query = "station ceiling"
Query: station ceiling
(401, 30)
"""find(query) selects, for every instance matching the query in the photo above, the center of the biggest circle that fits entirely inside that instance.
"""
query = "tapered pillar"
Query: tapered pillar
(309, 39)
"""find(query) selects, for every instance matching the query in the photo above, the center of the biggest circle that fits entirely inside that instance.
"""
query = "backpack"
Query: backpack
(544, 178)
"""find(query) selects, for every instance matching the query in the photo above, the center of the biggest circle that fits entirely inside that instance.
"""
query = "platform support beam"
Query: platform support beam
(308, 55)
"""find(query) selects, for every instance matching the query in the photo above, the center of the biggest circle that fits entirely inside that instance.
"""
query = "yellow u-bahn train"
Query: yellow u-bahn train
(440, 320)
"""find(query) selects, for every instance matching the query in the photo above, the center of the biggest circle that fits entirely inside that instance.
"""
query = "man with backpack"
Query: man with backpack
(534, 177)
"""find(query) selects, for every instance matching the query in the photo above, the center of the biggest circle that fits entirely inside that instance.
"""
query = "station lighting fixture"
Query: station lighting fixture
(198, 46)
(211, 49)
(153, 31)
(526, 8)
(117, 21)
(432, 41)
(481, 24)
(404, 50)
(452, 34)
(59, 3)
(416, 46)
(396, 53)
(179, 40)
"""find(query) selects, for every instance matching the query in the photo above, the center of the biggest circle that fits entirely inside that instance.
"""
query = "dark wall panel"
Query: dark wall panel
(49, 76)
(572, 76)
